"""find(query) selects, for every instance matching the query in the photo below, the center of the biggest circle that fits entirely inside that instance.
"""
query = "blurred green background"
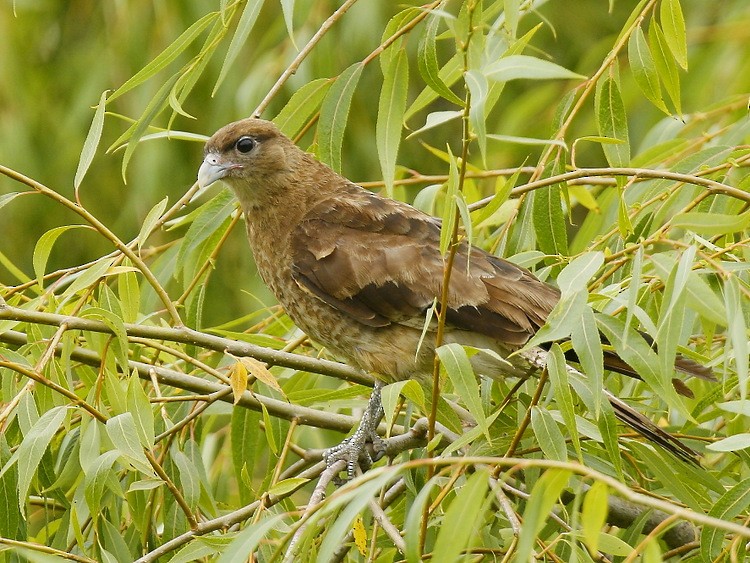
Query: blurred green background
(57, 57)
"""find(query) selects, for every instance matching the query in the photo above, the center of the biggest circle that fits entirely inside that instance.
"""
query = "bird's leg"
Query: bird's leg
(354, 450)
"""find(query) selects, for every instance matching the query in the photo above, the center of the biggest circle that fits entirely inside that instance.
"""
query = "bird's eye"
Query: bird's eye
(245, 144)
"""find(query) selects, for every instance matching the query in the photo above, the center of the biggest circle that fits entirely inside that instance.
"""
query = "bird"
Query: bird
(358, 273)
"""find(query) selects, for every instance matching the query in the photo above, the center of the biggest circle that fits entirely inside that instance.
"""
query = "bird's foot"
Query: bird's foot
(355, 450)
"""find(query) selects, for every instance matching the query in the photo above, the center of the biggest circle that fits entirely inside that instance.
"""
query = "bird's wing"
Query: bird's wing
(378, 261)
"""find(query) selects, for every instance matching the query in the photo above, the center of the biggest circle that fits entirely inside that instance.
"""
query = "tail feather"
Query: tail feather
(651, 431)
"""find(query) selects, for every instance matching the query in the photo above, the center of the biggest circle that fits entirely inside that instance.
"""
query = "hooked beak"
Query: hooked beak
(211, 170)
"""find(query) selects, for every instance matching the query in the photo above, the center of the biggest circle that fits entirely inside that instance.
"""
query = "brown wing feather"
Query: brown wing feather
(378, 261)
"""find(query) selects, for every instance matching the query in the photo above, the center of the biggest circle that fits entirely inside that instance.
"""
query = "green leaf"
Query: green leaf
(390, 115)
(32, 448)
(303, 103)
(165, 57)
(460, 527)
(731, 504)
(479, 89)
(334, 114)
(732, 443)
(287, 486)
(576, 275)
(129, 293)
(711, 224)
(92, 141)
(287, 8)
(737, 331)
(12, 524)
(449, 210)
(98, 474)
(122, 430)
(140, 407)
(245, 434)
(594, 514)
(544, 495)
(639, 355)
(549, 221)
(269, 431)
(248, 540)
(612, 121)
(644, 69)
(515, 67)
(588, 348)
(673, 24)
(151, 219)
(190, 485)
(44, 246)
(548, 435)
(390, 396)
(413, 519)
(245, 25)
(428, 63)
(559, 377)
(665, 64)
(455, 361)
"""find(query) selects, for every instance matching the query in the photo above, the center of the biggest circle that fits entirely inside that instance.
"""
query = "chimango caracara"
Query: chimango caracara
(357, 272)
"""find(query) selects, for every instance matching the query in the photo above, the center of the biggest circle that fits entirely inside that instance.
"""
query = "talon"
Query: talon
(353, 449)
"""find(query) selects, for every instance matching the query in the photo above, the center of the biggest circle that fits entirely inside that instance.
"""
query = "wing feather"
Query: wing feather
(378, 261)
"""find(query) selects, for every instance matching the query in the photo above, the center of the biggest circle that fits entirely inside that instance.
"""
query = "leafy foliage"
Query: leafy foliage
(606, 150)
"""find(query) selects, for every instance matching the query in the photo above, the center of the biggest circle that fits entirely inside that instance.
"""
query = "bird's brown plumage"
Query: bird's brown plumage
(358, 272)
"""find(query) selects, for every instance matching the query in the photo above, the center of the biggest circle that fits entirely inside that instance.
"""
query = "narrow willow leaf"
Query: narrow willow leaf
(607, 424)
(561, 319)
(7, 198)
(437, 118)
(459, 530)
(549, 221)
(390, 397)
(12, 525)
(44, 246)
(733, 443)
(479, 89)
(428, 63)
(455, 361)
(558, 374)
(516, 67)
(98, 474)
(451, 72)
(543, 497)
(612, 121)
(303, 103)
(639, 355)
(665, 64)
(260, 371)
(238, 379)
(140, 407)
(151, 219)
(644, 69)
(153, 108)
(353, 504)
(270, 438)
(588, 348)
(287, 8)
(413, 519)
(165, 57)
(711, 224)
(190, 485)
(334, 114)
(673, 24)
(731, 504)
(32, 448)
(287, 486)
(245, 25)
(122, 430)
(390, 116)
(576, 275)
(736, 306)
(92, 141)
(117, 326)
(247, 541)
(210, 218)
(244, 435)
(548, 435)
(594, 514)
(449, 211)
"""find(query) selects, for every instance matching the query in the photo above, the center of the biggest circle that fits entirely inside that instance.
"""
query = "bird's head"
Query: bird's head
(247, 155)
